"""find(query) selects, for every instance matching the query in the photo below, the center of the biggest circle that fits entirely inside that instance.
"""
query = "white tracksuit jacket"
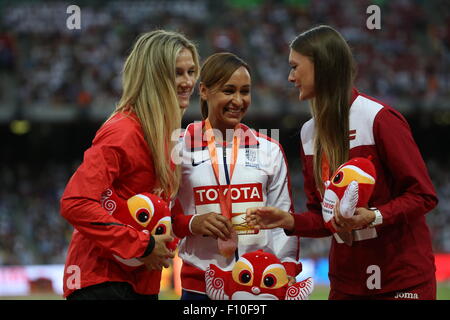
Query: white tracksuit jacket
(260, 179)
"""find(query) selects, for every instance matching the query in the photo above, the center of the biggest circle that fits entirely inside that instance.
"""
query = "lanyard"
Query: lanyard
(225, 200)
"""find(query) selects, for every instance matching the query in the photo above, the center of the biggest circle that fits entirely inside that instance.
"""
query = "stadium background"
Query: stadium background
(58, 85)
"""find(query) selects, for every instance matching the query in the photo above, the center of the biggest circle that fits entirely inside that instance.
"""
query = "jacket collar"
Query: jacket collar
(355, 94)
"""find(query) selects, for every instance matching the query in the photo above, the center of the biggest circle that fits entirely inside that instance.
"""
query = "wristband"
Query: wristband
(378, 218)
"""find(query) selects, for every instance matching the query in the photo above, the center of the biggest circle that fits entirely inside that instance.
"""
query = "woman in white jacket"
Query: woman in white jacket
(227, 168)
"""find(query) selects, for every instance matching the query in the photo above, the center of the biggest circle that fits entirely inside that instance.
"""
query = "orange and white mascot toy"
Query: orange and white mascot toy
(352, 184)
(145, 212)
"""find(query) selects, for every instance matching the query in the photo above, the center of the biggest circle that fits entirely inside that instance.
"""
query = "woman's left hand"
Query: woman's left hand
(360, 220)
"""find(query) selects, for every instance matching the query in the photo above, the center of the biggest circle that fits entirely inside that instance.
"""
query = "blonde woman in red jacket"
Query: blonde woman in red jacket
(129, 154)
(391, 255)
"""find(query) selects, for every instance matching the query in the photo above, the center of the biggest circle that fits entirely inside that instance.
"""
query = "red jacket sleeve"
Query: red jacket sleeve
(310, 223)
(293, 269)
(415, 194)
(180, 221)
(80, 203)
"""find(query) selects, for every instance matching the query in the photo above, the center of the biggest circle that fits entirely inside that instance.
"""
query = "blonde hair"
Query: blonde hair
(334, 72)
(148, 79)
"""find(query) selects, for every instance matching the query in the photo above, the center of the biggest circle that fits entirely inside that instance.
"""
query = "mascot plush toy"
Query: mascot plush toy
(352, 184)
(145, 212)
(257, 275)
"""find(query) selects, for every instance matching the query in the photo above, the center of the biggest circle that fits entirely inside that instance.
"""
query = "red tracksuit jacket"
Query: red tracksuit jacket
(403, 193)
(119, 158)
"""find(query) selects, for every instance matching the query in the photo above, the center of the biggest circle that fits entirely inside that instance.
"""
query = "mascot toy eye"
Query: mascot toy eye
(256, 275)
(352, 184)
(145, 212)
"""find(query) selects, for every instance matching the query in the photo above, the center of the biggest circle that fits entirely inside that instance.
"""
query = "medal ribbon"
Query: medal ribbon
(225, 200)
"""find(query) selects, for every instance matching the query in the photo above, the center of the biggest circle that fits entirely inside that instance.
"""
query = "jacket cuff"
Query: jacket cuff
(181, 226)
(293, 231)
(150, 247)
(191, 218)
(292, 268)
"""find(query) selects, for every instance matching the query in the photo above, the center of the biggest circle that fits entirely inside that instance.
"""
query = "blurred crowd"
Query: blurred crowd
(43, 63)
(33, 232)
(31, 228)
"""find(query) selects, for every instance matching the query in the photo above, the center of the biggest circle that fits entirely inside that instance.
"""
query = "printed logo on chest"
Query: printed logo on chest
(251, 192)
(251, 158)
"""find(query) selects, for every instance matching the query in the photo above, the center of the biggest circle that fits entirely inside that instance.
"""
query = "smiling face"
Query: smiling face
(185, 77)
(302, 74)
(228, 103)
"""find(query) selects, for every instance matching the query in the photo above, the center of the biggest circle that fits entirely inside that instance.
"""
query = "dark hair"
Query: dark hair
(216, 70)
(334, 73)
